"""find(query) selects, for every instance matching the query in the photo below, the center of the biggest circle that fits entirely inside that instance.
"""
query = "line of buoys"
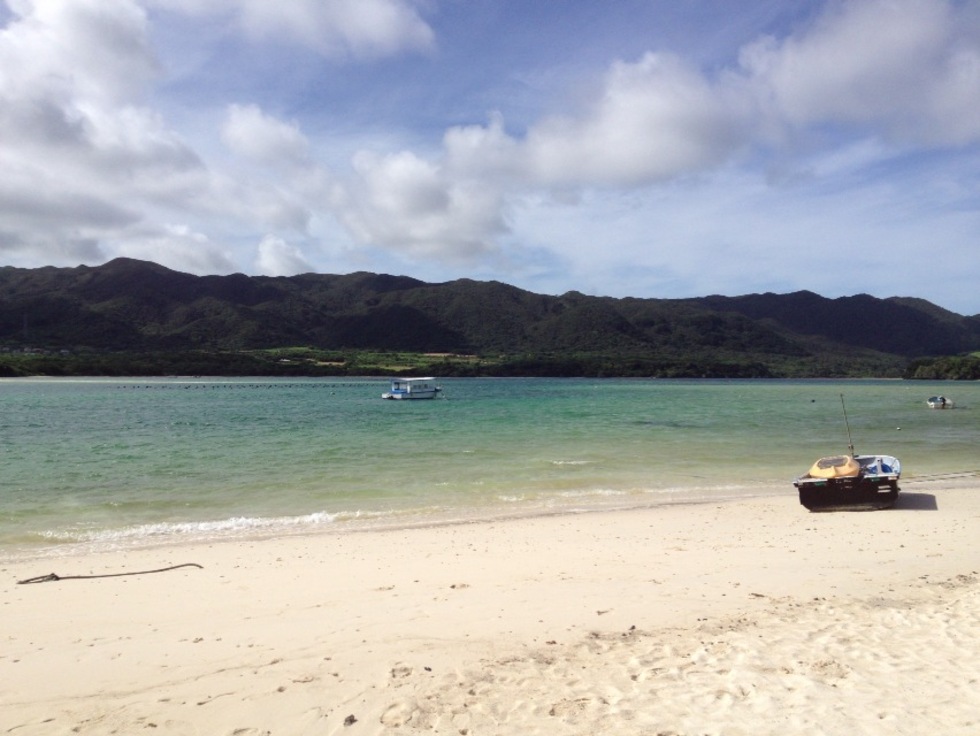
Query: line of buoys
(213, 386)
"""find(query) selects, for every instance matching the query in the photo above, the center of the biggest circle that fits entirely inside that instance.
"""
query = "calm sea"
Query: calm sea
(115, 463)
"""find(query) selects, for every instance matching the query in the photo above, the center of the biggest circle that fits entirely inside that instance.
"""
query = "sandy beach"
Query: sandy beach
(746, 617)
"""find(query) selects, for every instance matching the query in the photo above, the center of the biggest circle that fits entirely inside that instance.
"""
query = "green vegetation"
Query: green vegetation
(946, 368)
(273, 362)
(313, 362)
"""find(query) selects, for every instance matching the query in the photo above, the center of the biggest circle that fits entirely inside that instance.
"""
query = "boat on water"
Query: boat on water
(850, 481)
(412, 388)
(939, 402)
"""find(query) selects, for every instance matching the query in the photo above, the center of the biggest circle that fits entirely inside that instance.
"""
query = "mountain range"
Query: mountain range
(138, 306)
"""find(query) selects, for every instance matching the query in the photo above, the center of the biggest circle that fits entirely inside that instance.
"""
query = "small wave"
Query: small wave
(592, 492)
(238, 526)
(221, 527)
(573, 462)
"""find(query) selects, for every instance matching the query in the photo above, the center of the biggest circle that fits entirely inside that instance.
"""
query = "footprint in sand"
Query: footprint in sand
(398, 714)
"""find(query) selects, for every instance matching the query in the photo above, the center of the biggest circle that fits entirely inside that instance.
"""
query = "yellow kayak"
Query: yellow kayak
(838, 466)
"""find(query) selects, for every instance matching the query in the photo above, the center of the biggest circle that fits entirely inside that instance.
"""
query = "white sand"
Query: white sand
(751, 617)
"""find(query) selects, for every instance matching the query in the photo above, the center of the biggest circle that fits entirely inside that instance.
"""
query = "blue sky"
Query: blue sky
(649, 148)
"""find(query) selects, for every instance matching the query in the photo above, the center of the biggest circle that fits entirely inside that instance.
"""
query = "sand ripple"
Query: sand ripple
(902, 665)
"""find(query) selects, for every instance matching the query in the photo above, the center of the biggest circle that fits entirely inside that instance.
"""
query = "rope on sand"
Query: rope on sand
(54, 576)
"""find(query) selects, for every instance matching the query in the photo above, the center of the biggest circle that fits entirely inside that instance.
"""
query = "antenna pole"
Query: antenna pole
(850, 442)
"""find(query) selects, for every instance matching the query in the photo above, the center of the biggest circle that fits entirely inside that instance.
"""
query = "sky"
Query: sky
(646, 148)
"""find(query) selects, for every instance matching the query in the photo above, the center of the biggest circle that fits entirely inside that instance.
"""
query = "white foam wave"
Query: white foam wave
(586, 493)
(211, 528)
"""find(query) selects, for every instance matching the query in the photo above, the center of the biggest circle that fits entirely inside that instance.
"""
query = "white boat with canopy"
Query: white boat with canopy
(412, 388)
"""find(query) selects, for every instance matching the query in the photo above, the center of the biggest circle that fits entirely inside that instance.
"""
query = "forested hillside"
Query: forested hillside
(129, 307)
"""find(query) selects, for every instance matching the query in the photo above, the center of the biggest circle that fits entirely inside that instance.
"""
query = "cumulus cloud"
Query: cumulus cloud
(96, 50)
(175, 246)
(484, 150)
(907, 70)
(90, 171)
(899, 72)
(251, 133)
(452, 208)
(405, 203)
(276, 257)
(60, 62)
(656, 118)
(81, 157)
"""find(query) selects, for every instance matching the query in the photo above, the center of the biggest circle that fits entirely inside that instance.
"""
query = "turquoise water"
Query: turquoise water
(122, 462)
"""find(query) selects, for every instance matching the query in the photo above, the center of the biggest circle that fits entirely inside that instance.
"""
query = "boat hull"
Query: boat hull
(409, 396)
(847, 493)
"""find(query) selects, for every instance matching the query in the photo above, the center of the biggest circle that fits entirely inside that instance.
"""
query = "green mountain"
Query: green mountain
(130, 306)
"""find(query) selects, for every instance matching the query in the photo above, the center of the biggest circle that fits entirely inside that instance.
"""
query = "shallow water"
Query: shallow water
(120, 462)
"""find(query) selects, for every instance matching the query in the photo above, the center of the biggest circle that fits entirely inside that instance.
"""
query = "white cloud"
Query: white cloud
(655, 119)
(908, 70)
(175, 246)
(484, 151)
(81, 158)
(276, 257)
(900, 69)
(897, 71)
(251, 133)
(250, 202)
(91, 49)
(357, 28)
(91, 172)
(414, 206)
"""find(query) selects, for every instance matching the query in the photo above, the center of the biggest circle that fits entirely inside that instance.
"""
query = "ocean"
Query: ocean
(116, 463)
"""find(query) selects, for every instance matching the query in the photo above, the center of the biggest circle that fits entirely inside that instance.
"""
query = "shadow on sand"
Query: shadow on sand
(916, 502)
(904, 502)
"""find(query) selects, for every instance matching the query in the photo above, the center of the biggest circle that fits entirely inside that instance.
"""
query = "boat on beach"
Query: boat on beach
(412, 388)
(850, 481)
(939, 402)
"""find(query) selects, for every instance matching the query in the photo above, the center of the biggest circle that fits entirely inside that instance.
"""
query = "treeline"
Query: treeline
(947, 368)
(186, 363)
(266, 363)
(311, 362)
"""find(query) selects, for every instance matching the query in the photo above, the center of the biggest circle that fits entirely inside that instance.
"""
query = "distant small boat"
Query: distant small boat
(412, 388)
(850, 481)
(939, 402)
